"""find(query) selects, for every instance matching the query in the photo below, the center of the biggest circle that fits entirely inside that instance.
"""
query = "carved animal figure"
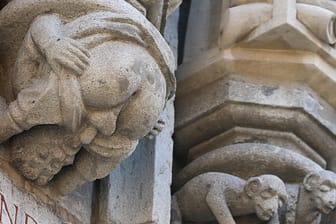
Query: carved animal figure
(316, 196)
(99, 82)
(219, 197)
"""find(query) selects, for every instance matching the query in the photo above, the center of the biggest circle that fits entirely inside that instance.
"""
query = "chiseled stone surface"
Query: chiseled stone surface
(280, 49)
(88, 85)
(238, 135)
(79, 71)
(220, 196)
(17, 206)
(232, 102)
(313, 194)
(138, 191)
(250, 159)
(316, 196)
(259, 100)
(79, 203)
(75, 208)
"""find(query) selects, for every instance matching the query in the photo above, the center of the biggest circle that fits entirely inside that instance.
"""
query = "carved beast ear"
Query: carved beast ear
(252, 186)
(311, 181)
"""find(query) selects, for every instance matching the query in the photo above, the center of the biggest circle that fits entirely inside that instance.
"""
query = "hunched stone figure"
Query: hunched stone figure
(219, 197)
(316, 196)
(98, 82)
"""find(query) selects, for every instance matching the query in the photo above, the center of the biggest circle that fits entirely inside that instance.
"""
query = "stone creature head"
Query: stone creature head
(322, 187)
(268, 193)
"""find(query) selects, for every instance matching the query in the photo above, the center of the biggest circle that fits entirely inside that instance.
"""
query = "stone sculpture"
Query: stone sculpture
(96, 82)
(321, 24)
(315, 197)
(219, 196)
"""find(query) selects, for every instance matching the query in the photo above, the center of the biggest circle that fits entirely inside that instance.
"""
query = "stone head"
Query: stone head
(322, 187)
(268, 193)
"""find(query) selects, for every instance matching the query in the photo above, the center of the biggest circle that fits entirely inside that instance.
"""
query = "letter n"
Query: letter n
(28, 217)
(4, 206)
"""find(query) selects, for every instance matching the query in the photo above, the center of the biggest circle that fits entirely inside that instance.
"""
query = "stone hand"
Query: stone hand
(67, 53)
(156, 130)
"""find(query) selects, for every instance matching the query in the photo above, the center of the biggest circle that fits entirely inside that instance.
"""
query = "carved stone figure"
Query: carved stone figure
(322, 24)
(315, 197)
(219, 196)
(97, 82)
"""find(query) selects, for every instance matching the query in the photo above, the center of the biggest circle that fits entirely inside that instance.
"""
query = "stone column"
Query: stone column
(86, 87)
(259, 80)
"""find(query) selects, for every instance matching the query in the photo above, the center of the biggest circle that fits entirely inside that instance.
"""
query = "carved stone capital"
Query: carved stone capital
(89, 80)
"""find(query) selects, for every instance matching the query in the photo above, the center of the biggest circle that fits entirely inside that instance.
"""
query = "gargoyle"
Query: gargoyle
(219, 197)
(89, 87)
(316, 196)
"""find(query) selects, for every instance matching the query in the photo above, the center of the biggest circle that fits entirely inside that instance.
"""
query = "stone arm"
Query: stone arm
(45, 31)
(59, 50)
(38, 103)
(218, 205)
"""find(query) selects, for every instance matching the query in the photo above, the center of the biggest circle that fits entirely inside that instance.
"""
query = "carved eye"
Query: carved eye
(324, 188)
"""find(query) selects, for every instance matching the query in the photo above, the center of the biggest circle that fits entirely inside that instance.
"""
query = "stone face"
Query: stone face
(82, 83)
(88, 85)
(87, 91)
(138, 191)
(255, 97)
(219, 196)
(316, 197)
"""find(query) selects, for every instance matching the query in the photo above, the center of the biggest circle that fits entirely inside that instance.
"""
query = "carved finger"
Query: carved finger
(78, 62)
(70, 65)
(81, 48)
(79, 54)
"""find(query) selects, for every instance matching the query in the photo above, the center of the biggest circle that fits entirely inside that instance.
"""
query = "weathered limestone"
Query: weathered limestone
(83, 82)
(36, 201)
(255, 97)
(219, 196)
(233, 102)
(315, 197)
(289, 166)
(289, 47)
(86, 81)
(19, 207)
(138, 191)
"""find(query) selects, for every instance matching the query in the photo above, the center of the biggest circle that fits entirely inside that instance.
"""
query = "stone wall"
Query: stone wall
(89, 104)
(255, 98)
